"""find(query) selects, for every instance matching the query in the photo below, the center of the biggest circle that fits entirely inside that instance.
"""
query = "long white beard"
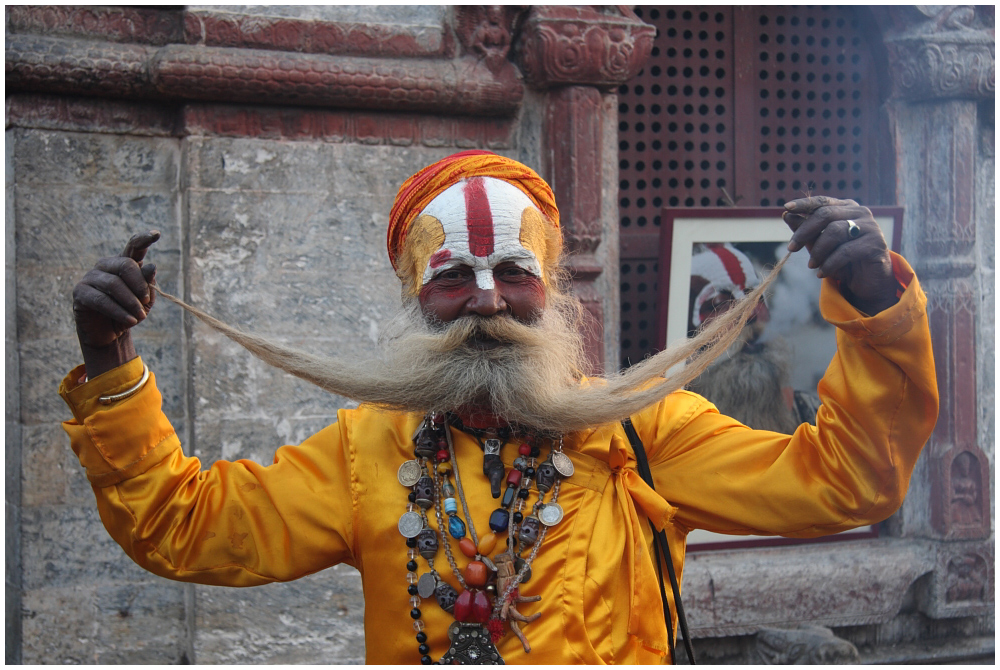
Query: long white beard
(533, 379)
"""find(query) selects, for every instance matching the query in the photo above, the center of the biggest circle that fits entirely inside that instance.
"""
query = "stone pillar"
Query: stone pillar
(12, 428)
(576, 56)
(942, 65)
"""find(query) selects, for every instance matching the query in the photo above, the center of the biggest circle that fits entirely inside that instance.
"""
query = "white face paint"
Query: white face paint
(481, 218)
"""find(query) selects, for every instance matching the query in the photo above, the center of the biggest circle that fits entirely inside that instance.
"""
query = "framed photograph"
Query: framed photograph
(708, 257)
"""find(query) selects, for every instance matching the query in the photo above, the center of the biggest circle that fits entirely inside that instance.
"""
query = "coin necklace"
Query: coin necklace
(479, 623)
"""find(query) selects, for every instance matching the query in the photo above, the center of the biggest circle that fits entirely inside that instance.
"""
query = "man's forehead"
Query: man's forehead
(479, 208)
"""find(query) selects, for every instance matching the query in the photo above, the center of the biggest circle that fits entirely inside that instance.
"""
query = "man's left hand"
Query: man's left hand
(854, 255)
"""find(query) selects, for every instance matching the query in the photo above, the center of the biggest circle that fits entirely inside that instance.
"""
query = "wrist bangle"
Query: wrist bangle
(108, 399)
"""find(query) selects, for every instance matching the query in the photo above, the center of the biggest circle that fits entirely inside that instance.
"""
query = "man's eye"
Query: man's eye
(450, 275)
(513, 272)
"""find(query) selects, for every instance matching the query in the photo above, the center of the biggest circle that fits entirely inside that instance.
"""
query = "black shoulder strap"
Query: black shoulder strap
(661, 545)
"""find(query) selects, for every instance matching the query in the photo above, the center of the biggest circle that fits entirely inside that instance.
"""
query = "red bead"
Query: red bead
(481, 607)
(442, 445)
(468, 547)
(514, 478)
(475, 574)
(463, 606)
(442, 455)
(524, 449)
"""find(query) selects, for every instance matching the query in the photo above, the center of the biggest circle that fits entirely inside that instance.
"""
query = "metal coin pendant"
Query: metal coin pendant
(562, 463)
(408, 473)
(550, 514)
(426, 585)
(471, 645)
(410, 524)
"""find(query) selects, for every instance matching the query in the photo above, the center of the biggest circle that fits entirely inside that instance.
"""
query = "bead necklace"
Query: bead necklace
(479, 624)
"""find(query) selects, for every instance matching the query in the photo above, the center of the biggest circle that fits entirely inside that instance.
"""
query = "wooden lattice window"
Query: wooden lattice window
(753, 104)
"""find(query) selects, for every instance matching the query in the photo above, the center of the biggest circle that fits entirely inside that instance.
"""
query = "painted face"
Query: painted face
(720, 276)
(477, 248)
(478, 223)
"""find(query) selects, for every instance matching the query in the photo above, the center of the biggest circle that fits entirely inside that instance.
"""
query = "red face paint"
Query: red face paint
(479, 218)
(440, 258)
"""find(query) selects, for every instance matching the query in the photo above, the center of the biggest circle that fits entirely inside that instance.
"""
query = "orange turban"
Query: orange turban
(420, 189)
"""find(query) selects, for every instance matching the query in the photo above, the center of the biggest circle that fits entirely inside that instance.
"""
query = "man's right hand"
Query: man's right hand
(110, 299)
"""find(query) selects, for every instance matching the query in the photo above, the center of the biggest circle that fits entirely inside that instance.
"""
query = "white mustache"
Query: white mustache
(532, 380)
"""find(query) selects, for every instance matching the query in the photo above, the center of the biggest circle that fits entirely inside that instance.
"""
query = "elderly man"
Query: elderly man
(485, 488)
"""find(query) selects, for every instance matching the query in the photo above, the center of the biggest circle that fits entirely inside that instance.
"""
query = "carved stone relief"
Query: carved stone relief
(486, 31)
(805, 645)
(963, 580)
(960, 495)
(941, 51)
(966, 579)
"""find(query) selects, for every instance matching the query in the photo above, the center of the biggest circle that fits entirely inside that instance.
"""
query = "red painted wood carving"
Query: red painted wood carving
(563, 45)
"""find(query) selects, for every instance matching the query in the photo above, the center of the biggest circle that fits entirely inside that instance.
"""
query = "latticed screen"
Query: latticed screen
(747, 106)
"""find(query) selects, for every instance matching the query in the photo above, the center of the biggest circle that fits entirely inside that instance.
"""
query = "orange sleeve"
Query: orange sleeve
(235, 524)
(879, 406)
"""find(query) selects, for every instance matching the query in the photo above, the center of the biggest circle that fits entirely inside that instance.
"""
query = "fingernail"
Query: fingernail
(819, 274)
(790, 204)
(792, 246)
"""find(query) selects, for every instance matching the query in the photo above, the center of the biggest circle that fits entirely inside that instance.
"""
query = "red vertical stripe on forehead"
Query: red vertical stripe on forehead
(732, 265)
(478, 217)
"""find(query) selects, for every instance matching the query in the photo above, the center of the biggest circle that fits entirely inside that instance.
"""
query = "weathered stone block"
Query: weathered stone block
(836, 584)
(51, 473)
(67, 546)
(44, 362)
(47, 158)
(123, 622)
(67, 226)
(317, 619)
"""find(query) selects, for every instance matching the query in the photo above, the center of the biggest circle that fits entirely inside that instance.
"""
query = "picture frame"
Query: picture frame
(760, 235)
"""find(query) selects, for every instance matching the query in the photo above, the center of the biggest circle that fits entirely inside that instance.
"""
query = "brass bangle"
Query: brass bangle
(108, 399)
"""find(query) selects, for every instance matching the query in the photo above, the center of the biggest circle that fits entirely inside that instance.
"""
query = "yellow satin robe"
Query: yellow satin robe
(335, 498)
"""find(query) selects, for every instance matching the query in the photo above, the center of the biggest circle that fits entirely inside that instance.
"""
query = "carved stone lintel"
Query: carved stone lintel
(562, 45)
(57, 65)
(941, 52)
(960, 493)
(963, 581)
(116, 24)
(809, 645)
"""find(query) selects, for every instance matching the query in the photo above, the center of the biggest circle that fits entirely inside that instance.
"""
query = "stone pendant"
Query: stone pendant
(471, 645)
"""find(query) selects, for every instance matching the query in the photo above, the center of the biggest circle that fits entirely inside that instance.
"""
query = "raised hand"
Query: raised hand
(110, 299)
(844, 243)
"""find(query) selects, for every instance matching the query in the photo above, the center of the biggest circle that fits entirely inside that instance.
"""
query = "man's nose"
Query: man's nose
(486, 302)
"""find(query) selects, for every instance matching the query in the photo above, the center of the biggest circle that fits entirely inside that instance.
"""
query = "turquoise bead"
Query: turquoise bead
(456, 527)
(450, 506)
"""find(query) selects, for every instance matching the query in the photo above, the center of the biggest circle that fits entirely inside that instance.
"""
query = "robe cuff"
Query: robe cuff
(888, 325)
(123, 439)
